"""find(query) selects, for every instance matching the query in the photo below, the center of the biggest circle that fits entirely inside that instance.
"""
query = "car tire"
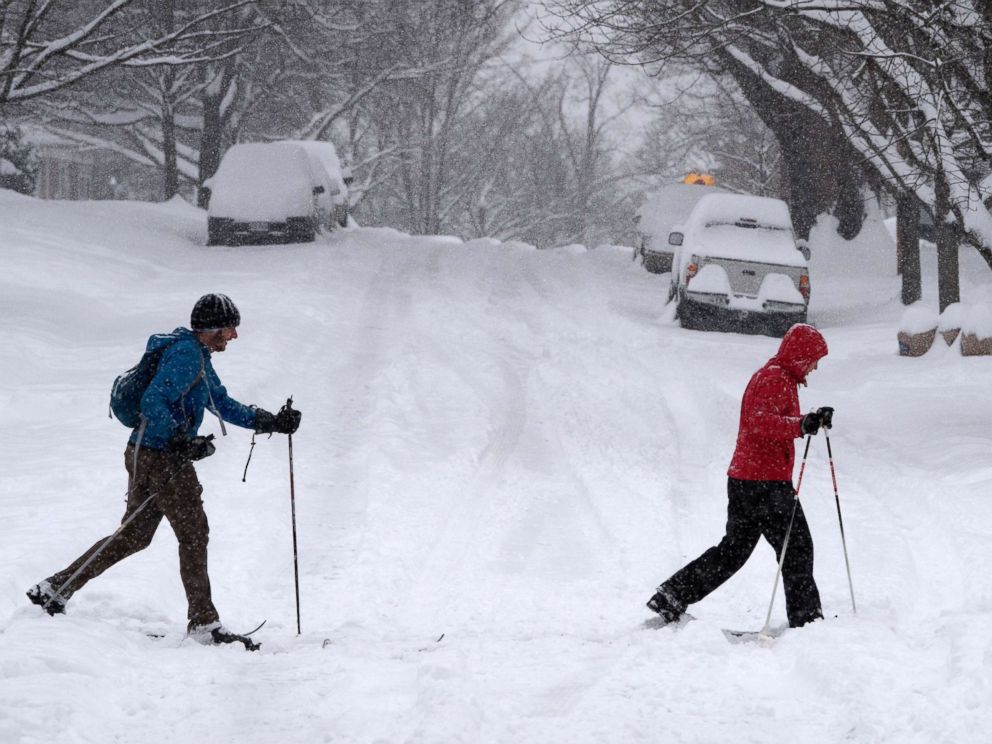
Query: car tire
(689, 319)
(689, 322)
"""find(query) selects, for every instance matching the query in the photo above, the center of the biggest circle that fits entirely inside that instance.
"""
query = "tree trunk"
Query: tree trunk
(818, 170)
(948, 240)
(908, 248)
(948, 275)
(210, 139)
(211, 142)
(850, 206)
(170, 167)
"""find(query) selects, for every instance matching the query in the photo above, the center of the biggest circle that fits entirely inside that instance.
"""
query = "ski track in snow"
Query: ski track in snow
(509, 447)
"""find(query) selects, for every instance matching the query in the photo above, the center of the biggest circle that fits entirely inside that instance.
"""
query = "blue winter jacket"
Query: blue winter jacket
(184, 385)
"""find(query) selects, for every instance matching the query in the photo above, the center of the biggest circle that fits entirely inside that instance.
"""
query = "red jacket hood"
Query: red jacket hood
(800, 348)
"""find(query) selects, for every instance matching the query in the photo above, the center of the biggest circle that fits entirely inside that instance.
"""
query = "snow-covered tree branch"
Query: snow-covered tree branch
(49, 45)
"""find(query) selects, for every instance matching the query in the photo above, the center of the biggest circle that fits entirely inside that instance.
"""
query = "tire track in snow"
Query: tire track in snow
(473, 514)
(363, 357)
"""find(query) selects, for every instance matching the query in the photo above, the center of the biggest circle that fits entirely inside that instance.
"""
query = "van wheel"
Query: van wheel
(300, 230)
(219, 231)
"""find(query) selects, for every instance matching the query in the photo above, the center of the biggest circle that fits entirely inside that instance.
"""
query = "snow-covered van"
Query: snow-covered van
(266, 193)
(324, 159)
(670, 205)
(737, 266)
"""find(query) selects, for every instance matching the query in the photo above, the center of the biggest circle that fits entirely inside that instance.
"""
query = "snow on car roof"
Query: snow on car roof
(326, 154)
(730, 208)
(253, 156)
(262, 181)
(669, 206)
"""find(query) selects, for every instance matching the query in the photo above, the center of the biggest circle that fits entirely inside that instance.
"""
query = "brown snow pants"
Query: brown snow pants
(174, 492)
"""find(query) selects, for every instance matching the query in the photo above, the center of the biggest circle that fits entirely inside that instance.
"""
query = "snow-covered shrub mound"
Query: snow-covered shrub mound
(976, 331)
(950, 321)
(917, 329)
(918, 318)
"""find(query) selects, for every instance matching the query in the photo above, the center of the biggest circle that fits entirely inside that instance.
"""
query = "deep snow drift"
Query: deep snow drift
(505, 446)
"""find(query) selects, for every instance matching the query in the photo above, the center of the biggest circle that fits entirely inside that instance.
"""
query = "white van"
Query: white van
(737, 266)
(266, 193)
(324, 158)
(670, 205)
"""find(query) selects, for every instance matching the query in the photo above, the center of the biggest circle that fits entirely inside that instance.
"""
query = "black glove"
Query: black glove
(193, 449)
(287, 421)
(812, 423)
(826, 414)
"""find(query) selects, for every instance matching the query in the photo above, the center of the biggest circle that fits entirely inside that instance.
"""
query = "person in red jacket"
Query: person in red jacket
(759, 487)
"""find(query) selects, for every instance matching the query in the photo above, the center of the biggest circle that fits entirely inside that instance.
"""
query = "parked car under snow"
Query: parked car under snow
(661, 210)
(336, 178)
(737, 266)
(266, 193)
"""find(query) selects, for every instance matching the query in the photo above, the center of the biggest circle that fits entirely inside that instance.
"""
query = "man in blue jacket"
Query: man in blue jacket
(159, 460)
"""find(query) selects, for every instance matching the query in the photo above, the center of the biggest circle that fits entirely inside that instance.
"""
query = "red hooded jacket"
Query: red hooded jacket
(770, 417)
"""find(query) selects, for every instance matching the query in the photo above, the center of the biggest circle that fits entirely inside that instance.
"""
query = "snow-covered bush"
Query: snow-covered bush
(950, 321)
(978, 321)
(918, 318)
(917, 330)
(976, 331)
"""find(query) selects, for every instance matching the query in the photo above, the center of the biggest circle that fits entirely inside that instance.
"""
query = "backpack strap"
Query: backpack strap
(137, 449)
(210, 397)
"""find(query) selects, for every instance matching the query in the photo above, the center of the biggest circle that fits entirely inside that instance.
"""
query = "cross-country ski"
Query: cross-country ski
(763, 637)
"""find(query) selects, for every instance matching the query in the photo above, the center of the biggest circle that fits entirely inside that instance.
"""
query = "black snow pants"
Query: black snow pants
(756, 509)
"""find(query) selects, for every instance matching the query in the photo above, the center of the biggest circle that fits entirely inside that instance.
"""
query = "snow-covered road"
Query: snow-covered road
(504, 446)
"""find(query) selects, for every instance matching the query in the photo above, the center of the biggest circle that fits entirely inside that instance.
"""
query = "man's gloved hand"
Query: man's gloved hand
(826, 414)
(193, 449)
(287, 421)
(812, 423)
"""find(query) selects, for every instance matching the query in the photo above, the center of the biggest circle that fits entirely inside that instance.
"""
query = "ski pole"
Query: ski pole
(244, 477)
(785, 542)
(130, 518)
(124, 523)
(840, 520)
(292, 505)
(88, 561)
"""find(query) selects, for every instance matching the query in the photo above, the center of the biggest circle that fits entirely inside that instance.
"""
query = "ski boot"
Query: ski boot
(217, 634)
(670, 610)
(43, 595)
